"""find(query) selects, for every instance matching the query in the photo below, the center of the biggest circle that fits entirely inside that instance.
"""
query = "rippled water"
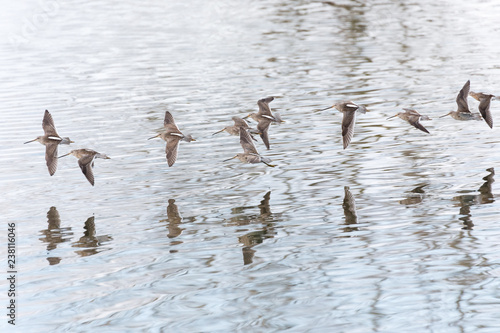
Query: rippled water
(399, 232)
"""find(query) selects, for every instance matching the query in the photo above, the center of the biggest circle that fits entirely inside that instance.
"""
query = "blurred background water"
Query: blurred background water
(399, 232)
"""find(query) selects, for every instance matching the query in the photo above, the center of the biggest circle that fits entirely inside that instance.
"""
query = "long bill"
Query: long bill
(445, 115)
(222, 130)
(64, 155)
(229, 159)
(154, 136)
(327, 108)
(31, 141)
(392, 117)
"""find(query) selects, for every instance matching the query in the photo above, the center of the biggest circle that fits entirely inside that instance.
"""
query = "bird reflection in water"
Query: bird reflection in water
(485, 196)
(250, 239)
(349, 206)
(89, 242)
(415, 196)
(174, 220)
(54, 234)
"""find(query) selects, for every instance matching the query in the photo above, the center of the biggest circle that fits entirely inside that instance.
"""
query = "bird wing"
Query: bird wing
(263, 127)
(414, 121)
(348, 122)
(86, 162)
(48, 125)
(484, 108)
(264, 106)
(238, 122)
(411, 112)
(463, 106)
(169, 122)
(246, 142)
(51, 155)
(171, 149)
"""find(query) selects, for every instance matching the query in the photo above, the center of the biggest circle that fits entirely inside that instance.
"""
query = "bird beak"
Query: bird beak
(30, 141)
(445, 115)
(392, 117)
(327, 108)
(64, 155)
(154, 136)
(222, 130)
(71, 141)
(229, 159)
(245, 117)
(270, 165)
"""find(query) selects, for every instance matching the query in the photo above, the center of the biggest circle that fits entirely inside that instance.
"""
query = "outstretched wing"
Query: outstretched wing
(348, 122)
(264, 106)
(247, 143)
(463, 106)
(484, 108)
(169, 123)
(414, 121)
(238, 122)
(171, 149)
(263, 127)
(51, 155)
(86, 163)
(48, 125)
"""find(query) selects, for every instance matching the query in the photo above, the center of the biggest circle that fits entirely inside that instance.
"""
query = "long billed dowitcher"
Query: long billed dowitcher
(86, 159)
(484, 106)
(51, 140)
(463, 112)
(235, 129)
(172, 135)
(349, 110)
(265, 111)
(250, 155)
(413, 118)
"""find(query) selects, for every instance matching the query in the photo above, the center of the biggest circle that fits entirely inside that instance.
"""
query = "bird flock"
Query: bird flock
(264, 118)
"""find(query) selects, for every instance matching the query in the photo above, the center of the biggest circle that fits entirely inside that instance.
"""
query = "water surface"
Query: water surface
(399, 232)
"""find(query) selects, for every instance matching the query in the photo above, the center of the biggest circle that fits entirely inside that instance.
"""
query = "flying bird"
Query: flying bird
(413, 118)
(250, 153)
(484, 106)
(51, 140)
(463, 112)
(86, 159)
(172, 135)
(349, 110)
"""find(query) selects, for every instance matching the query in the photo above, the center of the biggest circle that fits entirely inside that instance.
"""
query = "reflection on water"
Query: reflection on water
(415, 196)
(89, 241)
(485, 196)
(54, 234)
(349, 206)
(110, 83)
(265, 217)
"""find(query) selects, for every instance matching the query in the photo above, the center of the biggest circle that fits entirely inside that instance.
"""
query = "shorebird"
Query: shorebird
(265, 111)
(235, 129)
(413, 118)
(172, 135)
(463, 112)
(86, 159)
(51, 140)
(349, 110)
(484, 106)
(264, 118)
(250, 154)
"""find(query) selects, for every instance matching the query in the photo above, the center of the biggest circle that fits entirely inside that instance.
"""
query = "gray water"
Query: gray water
(397, 233)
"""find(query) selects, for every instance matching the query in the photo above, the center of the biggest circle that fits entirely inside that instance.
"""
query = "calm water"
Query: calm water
(399, 232)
